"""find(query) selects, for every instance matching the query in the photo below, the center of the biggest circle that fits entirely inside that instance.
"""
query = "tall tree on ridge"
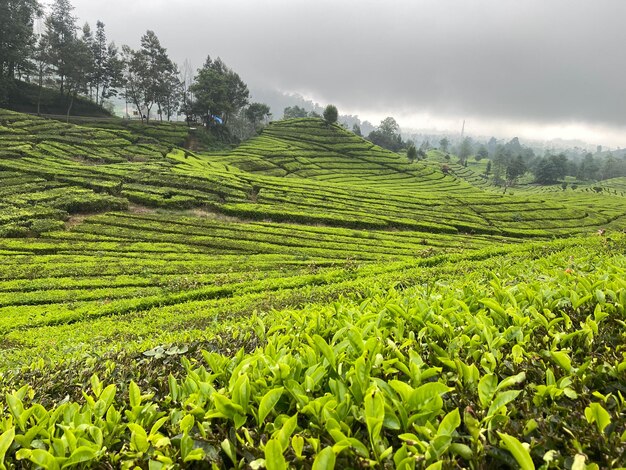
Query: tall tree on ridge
(60, 36)
(16, 38)
(219, 92)
(148, 73)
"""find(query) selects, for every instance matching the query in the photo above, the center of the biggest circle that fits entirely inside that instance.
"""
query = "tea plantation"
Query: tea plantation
(306, 300)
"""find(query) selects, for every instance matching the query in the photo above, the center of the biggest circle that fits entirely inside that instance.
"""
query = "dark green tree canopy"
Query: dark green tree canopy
(219, 92)
(60, 37)
(387, 135)
(331, 114)
(550, 169)
(465, 151)
(411, 153)
(257, 112)
(16, 38)
(151, 76)
(292, 112)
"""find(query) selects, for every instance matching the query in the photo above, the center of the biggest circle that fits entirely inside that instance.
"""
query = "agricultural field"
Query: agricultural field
(306, 300)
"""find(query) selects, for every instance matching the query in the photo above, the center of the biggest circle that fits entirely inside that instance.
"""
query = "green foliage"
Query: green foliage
(411, 153)
(151, 77)
(291, 344)
(293, 112)
(218, 91)
(387, 135)
(331, 114)
(550, 169)
(442, 374)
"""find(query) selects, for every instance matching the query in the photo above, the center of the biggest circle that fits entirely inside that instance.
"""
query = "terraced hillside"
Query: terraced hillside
(444, 353)
(117, 166)
(305, 301)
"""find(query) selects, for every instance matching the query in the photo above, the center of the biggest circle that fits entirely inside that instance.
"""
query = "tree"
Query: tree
(41, 60)
(443, 144)
(387, 135)
(187, 96)
(610, 167)
(107, 70)
(89, 42)
(78, 65)
(500, 159)
(550, 169)
(331, 114)
(492, 145)
(514, 169)
(171, 93)
(16, 39)
(257, 113)
(488, 169)
(465, 150)
(113, 77)
(357, 130)
(482, 153)
(150, 75)
(411, 153)
(293, 112)
(588, 169)
(219, 92)
(60, 36)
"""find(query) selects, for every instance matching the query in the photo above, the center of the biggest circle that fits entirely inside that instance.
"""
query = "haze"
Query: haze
(531, 68)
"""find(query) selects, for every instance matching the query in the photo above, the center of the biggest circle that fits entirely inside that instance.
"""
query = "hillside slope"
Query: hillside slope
(111, 168)
(305, 300)
(23, 98)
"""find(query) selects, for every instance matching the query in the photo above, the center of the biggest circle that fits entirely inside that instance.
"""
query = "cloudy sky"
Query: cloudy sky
(532, 68)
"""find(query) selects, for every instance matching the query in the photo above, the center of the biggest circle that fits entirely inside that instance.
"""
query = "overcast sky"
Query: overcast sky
(533, 68)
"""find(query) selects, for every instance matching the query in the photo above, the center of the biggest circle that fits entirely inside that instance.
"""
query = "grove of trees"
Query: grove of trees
(387, 135)
(80, 61)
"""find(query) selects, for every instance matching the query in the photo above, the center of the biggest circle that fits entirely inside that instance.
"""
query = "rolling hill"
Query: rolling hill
(304, 300)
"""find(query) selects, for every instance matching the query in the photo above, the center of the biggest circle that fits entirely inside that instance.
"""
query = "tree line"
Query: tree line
(82, 61)
(507, 162)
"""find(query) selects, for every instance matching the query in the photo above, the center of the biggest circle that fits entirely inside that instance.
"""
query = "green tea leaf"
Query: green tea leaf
(268, 402)
(297, 442)
(502, 399)
(81, 454)
(325, 460)
(518, 451)
(138, 438)
(374, 413)
(226, 406)
(134, 394)
(562, 359)
(6, 439)
(596, 414)
(325, 349)
(510, 381)
(487, 387)
(274, 459)
(44, 459)
(449, 423)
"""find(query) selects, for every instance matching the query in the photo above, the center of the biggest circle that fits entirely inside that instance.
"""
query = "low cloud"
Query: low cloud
(531, 61)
